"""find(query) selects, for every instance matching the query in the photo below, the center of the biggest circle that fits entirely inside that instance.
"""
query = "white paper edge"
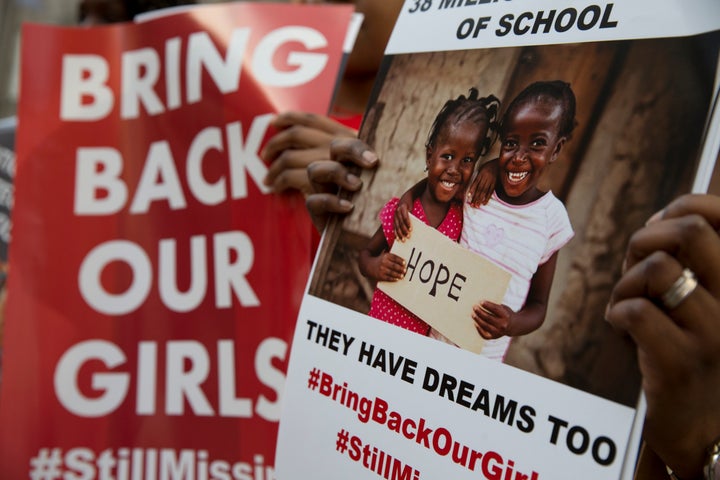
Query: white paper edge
(352, 32)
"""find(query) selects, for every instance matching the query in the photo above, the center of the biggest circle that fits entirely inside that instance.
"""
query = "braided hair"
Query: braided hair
(468, 108)
(554, 91)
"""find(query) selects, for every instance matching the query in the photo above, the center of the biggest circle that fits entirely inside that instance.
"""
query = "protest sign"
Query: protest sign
(375, 400)
(156, 279)
(442, 290)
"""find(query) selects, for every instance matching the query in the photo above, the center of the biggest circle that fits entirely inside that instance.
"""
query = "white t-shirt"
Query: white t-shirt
(517, 238)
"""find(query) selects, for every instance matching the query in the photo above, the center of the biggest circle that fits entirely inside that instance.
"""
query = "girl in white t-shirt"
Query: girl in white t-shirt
(521, 228)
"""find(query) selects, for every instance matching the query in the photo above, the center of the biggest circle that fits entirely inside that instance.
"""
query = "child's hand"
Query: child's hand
(492, 320)
(401, 222)
(483, 185)
(390, 267)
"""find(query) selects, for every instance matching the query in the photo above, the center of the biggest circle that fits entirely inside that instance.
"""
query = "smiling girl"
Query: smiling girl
(458, 136)
(522, 228)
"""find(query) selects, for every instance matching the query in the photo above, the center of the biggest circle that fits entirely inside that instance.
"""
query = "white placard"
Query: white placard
(368, 400)
(361, 392)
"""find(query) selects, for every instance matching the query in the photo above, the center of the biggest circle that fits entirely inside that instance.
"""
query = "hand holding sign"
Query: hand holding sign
(389, 267)
(443, 282)
(491, 319)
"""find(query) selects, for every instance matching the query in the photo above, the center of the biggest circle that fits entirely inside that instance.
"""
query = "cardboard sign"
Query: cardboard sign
(443, 282)
(156, 279)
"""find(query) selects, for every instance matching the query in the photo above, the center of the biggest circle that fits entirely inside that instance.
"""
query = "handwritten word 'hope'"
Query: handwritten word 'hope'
(436, 275)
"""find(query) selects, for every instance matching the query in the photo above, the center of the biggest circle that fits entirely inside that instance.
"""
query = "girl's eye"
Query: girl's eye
(539, 142)
(509, 144)
(468, 159)
(447, 156)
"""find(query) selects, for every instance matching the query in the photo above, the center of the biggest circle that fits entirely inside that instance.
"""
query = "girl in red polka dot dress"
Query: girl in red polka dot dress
(460, 134)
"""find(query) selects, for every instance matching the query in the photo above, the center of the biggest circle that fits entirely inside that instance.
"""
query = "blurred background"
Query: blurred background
(58, 12)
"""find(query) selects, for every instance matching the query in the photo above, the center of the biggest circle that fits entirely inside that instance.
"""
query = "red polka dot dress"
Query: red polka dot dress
(385, 308)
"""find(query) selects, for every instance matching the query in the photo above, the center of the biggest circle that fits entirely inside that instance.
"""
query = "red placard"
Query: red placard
(155, 281)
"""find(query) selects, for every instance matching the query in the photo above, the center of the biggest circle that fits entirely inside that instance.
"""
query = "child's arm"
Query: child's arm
(377, 263)
(483, 185)
(401, 221)
(494, 321)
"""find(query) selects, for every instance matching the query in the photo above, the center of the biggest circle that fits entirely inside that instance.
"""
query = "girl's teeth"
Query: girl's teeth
(448, 184)
(517, 176)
